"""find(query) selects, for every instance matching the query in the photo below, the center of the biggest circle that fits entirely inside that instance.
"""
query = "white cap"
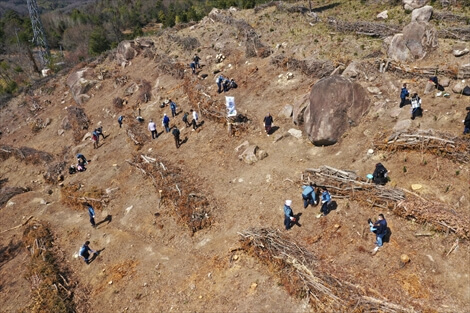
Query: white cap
(288, 202)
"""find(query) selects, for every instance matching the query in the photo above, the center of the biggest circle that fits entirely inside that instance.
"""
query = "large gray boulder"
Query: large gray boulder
(414, 4)
(336, 103)
(422, 14)
(127, 50)
(80, 82)
(417, 40)
(299, 109)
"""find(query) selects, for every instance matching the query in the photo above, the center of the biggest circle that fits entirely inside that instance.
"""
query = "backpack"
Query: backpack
(466, 91)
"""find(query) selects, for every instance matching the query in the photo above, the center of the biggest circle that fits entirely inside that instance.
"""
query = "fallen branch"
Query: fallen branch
(18, 226)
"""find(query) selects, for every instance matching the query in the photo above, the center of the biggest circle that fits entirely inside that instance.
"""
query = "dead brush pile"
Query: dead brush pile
(440, 144)
(75, 196)
(167, 65)
(435, 214)
(346, 184)
(79, 122)
(202, 102)
(51, 292)
(302, 275)
(180, 191)
(54, 172)
(26, 154)
(137, 133)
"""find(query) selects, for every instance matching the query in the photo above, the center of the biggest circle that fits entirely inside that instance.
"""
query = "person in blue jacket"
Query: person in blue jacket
(91, 213)
(308, 195)
(325, 200)
(403, 94)
(173, 108)
(84, 252)
(120, 119)
(380, 230)
(289, 218)
(166, 122)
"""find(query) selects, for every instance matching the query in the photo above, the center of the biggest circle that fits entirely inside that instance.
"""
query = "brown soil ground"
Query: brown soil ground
(155, 264)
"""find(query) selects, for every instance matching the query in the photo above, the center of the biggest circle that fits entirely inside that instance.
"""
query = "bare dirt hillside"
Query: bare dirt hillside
(169, 220)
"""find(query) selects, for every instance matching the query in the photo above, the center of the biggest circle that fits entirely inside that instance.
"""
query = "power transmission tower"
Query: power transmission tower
(39, 38)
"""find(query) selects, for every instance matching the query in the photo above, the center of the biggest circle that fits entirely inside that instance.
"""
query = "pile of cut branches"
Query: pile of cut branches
(301, 275)
(177, 188)
(346, 184)
(202, 102)
(373, 29)
(137, 133)
(167, 65)
(51, 291)
(26, 154)
(79, 122)
(436, 214)
(440, 144)
(75, 196)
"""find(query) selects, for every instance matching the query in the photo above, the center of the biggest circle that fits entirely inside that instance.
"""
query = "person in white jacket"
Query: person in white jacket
(153, 129)
(195, 119)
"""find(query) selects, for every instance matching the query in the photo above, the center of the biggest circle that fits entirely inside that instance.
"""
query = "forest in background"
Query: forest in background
(78, 30)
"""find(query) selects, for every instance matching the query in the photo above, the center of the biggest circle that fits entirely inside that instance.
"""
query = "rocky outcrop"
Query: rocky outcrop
(414, 4)
(299, 109)
(336, 103)
(417, 40)
(422, 14)
(464, 71)
(80, 82)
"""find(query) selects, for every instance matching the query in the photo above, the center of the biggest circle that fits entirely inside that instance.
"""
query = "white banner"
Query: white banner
(230, 104)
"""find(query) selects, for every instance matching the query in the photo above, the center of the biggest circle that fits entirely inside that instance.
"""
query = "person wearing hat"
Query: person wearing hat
(466, 122)
(166, 123)
(288, 215)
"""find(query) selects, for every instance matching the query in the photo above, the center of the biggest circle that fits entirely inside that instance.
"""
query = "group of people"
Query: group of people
(225, 84)
(416, 109)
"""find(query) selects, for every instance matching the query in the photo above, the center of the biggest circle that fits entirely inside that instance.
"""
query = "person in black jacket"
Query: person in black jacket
(380, 174)
(380, 230)
(466, 122)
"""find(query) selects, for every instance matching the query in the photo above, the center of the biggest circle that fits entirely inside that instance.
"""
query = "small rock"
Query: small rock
(261, 154)
(374, 90)
(235, 257)
(200, 297)
(295, 133)
(60, 132)
(289, 76)
(459, 50)
(416, 186)
(110, 282)
(404, 258)
(444, 81)
(286, 111)
(370, 151)
(242, 146)
(459, 86)
(383, 15)
(253, 286)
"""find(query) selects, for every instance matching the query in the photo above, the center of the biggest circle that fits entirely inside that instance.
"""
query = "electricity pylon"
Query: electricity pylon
(39, 38)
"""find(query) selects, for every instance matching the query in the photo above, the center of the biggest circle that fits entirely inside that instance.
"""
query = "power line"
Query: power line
(39, 36)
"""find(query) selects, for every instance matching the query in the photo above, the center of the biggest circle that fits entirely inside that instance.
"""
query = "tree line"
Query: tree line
(91, 29)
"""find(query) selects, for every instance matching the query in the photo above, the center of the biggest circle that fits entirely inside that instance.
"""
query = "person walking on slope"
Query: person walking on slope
(166, 122)
(380, 230)
(466, 122)
(268, 123)
(196, 61)
(219, 81)
(185, 119)
(308, 195)
(195, 119)
(120, 119)
(153, 129)
(95, 139)
(403, 94)
(173, 108)
(416, 106)
(99, 131)
(84, 252)
(91, 213)
(288, 215)
(176, 135)
(325, 200)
